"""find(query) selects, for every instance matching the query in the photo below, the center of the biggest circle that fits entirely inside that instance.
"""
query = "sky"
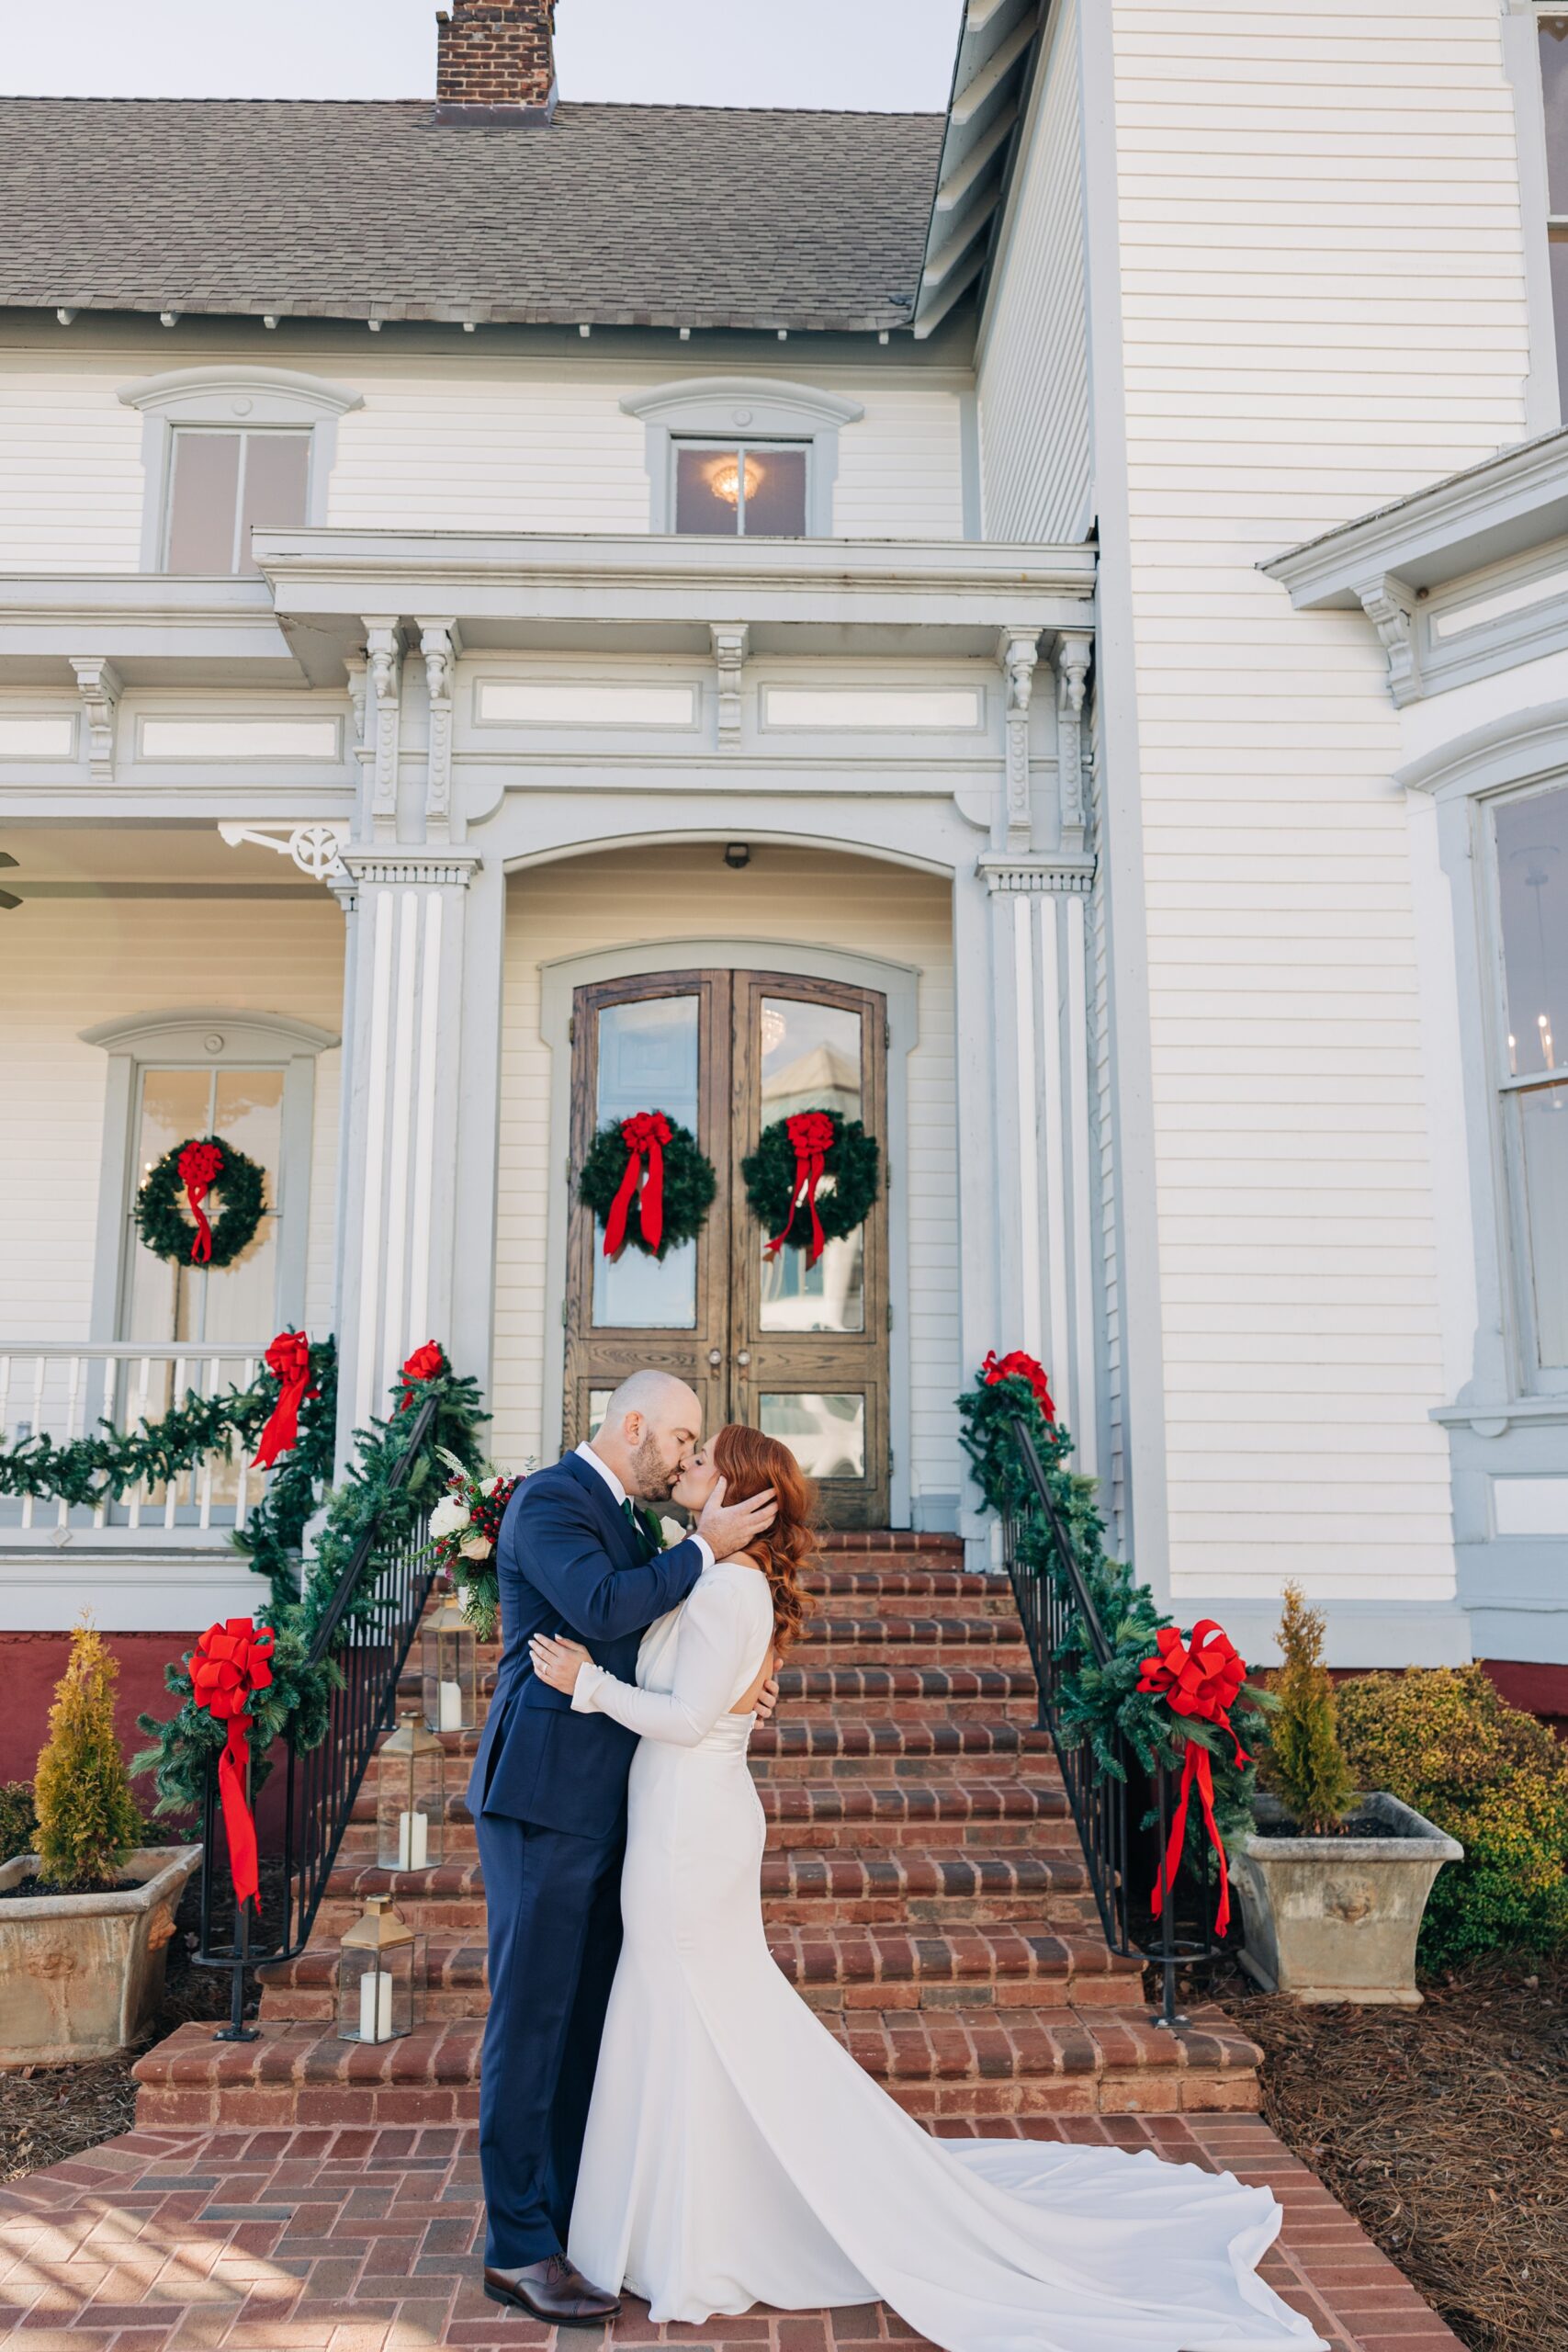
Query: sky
(887, 54)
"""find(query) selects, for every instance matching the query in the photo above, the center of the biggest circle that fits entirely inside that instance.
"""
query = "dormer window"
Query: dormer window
(221, 485)
(747, 490)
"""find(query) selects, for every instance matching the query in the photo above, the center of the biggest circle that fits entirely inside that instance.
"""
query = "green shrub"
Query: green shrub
(18, 1819)
(1442, 1739)
(87, 1818)
(1304, 1764)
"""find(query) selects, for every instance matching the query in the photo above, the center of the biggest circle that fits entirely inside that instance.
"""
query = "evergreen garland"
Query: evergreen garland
(273, 1534)
(854, 1160)
(367, 1496)
(1102, 1704)
(689, 1184)
(166, 1229)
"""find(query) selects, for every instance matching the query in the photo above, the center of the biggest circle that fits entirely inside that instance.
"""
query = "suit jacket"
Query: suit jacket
(568, 1563)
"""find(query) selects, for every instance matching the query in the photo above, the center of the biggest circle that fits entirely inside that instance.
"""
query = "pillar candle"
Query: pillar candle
(375, 2006)
(413, 1841)
(449, 1715)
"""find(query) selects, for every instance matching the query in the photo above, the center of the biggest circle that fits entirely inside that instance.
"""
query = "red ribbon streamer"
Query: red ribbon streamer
(1019, 1367)
(645, 1136)
(1199, 1678)
(288, 1360)
(811, 1133)
(229, 1663)
(199, 1165)
(428, 1363)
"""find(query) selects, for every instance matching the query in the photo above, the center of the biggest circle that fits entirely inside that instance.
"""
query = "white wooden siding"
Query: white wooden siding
(1323, 284)
(627, 898)
(71, 473)
(70, 963)
(1033, 367)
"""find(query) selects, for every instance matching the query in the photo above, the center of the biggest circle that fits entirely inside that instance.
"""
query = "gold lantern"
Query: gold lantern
(380, 1975)
(411, 1797)
(448, 1657)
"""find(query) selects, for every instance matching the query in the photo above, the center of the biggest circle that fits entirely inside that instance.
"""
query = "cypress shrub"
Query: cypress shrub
(1304, 1764)
(87, 1818)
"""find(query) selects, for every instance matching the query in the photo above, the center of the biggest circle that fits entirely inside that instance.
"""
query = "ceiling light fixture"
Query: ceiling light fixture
(724, 479)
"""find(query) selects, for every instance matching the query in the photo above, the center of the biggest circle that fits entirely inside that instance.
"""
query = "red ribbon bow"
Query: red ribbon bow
(199, 1165)
(645, 1135)
(229, 1663)
(1019, 1367)
(425, 1364)
(1199, 1678)
(288, 1360)
(812, 1133)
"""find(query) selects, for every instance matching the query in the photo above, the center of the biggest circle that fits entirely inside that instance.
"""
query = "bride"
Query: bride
(737, 2154)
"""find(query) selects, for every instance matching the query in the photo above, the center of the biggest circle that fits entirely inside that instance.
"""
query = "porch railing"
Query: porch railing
(1120, 1813)
(368, 1631)
(64, 1391)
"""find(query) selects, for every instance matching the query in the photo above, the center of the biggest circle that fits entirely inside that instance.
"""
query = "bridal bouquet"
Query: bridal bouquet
(464, 1526)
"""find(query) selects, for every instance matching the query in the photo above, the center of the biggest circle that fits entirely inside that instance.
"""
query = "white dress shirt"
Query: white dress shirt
(599, 1464)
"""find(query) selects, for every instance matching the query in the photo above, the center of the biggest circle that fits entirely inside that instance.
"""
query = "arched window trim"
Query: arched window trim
(753, 408)
(235, 397)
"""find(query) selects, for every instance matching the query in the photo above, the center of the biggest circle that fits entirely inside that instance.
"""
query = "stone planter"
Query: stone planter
(81, 1974)
(1337, 1919)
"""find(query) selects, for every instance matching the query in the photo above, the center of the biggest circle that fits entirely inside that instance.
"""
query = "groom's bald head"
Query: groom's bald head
(651, 1426)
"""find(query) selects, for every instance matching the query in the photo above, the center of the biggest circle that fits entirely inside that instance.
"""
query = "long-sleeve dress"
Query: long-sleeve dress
(736, 2154)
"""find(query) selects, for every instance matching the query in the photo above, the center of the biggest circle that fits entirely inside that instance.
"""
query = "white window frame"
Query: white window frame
(1521, 59)
(230, 400)
(751, 410)
(745, 446)
(204, 1040)
(1531, 1377)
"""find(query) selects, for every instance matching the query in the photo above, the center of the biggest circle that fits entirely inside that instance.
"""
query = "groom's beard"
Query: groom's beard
(651, 1481)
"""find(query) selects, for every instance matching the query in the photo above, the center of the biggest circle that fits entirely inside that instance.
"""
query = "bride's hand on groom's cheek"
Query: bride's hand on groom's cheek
(557, 1662)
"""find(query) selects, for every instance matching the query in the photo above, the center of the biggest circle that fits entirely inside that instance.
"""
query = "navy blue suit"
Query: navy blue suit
(548, 1797)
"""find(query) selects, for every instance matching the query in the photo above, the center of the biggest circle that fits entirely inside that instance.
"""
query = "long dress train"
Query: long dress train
(736, 2154)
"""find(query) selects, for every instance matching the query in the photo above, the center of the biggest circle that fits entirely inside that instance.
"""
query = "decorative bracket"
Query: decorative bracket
(97, 682)
(1018, 652)
(729, 653)
(1074, 647)
(1061, 877)
(315, 849)
(441, 644)
(384, 652)
(358, 668)
(1390, 605)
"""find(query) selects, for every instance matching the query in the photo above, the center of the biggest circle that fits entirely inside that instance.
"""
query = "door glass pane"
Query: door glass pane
(707, 493)
(811, 1060)
(775, 494)
(202, 497)
(174, 1103)
(184, 1302)
(826, 1434)
(1532, 872)
(276, 467)
(241, 1302)
(648, 1061)
(1543, 1128)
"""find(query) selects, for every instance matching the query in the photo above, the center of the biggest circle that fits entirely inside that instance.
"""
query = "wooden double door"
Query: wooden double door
(799, 1351)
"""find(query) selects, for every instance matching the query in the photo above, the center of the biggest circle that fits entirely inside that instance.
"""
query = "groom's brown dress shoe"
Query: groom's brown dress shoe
(552, 2289)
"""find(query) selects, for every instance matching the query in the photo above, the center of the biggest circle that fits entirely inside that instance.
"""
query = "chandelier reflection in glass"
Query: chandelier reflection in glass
(726, 477)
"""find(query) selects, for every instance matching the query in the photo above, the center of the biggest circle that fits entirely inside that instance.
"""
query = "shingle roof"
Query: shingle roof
(663, 215)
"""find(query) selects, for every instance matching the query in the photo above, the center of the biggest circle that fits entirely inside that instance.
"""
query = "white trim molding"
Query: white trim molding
(743, 408)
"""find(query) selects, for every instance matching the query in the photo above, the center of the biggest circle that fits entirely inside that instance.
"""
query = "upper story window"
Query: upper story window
(1531, 844)
(747, 490)
(742, 457)
(228, 450)
(221, 485)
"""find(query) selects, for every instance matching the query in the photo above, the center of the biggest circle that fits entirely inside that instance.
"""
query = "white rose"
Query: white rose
(450, 1513)
(488, 1485)
(673, 1533)
(475, 1547)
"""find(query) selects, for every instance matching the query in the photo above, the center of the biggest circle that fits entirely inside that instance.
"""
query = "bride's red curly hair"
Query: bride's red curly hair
(746, 1461)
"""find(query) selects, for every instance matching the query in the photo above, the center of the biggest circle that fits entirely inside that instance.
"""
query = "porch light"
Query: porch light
(724, 479)
(380, 1975)
(411, 1797)
(447, 1659)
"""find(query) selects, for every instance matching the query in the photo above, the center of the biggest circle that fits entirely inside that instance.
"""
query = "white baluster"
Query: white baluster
(171, 1492)
(247, 1379)
(74, 1405)
(139, 1492)
(40, 1362)
(206, 1518)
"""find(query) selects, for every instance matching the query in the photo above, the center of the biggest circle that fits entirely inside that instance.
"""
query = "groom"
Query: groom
(548, 1797)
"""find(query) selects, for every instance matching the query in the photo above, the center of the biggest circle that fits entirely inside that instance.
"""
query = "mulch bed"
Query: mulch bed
(1444, 2130)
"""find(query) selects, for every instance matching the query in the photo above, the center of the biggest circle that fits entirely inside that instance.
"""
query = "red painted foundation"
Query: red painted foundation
(31, 1666)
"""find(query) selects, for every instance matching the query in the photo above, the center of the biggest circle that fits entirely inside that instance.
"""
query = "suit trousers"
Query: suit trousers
(554, 1902)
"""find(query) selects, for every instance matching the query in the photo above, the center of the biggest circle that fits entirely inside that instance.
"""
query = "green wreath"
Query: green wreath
(772, 1172)
(689, 1182)
(167, 1230)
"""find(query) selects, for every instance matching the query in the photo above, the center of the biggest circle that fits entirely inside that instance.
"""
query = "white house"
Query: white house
(1016, 627)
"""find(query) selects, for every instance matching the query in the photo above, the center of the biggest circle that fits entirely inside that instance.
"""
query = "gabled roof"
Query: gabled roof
(998, 44)
(614, 215)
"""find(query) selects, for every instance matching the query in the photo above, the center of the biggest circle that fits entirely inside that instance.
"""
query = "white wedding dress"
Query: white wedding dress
(737, 2154)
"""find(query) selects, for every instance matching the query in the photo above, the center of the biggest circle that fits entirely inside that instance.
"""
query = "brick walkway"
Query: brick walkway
(353, 2240)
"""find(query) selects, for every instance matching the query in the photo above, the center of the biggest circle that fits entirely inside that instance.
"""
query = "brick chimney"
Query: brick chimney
(496, 61)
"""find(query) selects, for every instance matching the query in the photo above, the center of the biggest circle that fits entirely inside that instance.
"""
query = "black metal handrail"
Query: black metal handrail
(368, 1630)
(1056, 1608)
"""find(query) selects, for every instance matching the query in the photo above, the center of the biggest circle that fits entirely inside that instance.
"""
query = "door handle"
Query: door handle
(744, 1357)
(716, 1357)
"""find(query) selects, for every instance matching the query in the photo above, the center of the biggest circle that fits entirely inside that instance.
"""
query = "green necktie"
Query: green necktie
(633, 1522)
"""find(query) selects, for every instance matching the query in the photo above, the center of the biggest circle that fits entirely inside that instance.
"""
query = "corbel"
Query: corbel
(1390, 605)
(384, 656)
(441, 643)
(1018, 650)
(729, 655)
(1071, 658)
(97, 682)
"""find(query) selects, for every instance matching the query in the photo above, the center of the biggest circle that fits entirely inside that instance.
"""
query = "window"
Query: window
(221, 485)
(1554, 35)
(180, 1301)
(742, 457)
(1531, 842)
(228, 450)
(749, 490)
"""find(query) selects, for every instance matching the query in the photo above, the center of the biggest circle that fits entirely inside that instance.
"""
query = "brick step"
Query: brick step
(801, 1887)
(909, 1693)
(880, 1968)
(960, 2066)
(854, 1589)
(850, 1748)
(834, 1814)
